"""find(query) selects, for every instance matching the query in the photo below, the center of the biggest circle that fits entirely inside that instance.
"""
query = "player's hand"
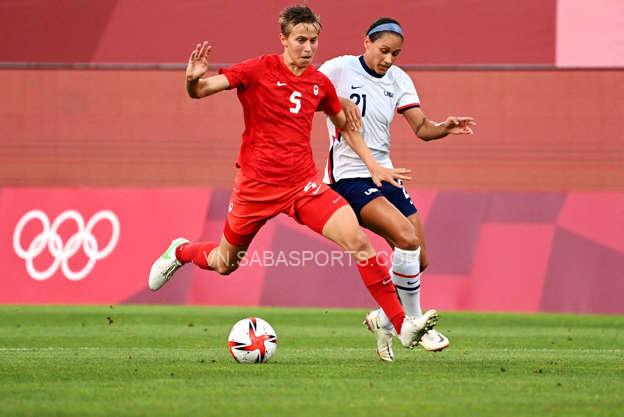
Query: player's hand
(352, 112)
(198, 62)
(379, 174)
(459, 125)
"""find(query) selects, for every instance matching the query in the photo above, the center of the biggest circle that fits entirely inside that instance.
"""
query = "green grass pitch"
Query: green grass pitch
(173, 361)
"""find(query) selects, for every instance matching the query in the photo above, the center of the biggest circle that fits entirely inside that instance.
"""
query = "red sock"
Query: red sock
(196, 253)
(379, 284)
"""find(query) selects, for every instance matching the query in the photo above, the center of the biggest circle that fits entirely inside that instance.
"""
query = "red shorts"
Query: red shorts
(253, 203)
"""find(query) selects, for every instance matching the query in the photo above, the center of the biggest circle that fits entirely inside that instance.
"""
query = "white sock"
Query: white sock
(407, 264)
(406, 278)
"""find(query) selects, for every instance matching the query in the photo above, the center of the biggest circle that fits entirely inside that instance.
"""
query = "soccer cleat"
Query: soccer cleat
(434, 341)
(414, 328)
(383, 336)
(165, 266)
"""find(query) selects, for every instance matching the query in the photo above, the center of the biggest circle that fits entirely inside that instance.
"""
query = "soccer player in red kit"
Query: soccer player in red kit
(279, 95)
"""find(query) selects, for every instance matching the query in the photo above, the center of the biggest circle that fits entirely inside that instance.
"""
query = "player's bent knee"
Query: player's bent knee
(357, 241)
(224, 269)
(407, 239)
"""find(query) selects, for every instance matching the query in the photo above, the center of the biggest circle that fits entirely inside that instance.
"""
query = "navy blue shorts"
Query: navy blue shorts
(360, 191)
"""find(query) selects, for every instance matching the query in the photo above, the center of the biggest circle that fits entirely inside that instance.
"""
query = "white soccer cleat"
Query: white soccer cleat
(414, 328)
(165, 266)
(434, 341)
(383, 336)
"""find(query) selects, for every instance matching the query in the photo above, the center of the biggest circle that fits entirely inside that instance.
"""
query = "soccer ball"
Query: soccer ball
(252, 340)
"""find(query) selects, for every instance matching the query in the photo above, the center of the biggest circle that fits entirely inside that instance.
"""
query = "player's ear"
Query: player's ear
(284, 40)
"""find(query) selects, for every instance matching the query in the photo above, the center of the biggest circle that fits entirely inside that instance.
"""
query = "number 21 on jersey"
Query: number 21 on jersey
(356, 98)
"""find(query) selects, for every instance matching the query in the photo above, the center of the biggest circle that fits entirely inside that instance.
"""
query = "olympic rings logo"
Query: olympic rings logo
(62, 252)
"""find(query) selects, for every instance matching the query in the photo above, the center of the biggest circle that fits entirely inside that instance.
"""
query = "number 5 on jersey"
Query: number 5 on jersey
(295, 99)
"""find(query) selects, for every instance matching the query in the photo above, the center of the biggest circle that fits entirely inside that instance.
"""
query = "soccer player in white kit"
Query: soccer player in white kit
(371, 90)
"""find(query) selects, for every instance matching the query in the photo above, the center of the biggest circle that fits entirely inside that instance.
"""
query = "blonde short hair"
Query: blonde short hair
(293, 15)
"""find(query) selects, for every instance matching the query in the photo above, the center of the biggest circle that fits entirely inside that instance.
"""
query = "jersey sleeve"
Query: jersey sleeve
(408, 97)
(241, 75)
(332, 69)
(329, 103)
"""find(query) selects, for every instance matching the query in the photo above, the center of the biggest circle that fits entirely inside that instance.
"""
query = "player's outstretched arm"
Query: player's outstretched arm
(352, 112)
(196, 86)
(428, 130)
(355, 140)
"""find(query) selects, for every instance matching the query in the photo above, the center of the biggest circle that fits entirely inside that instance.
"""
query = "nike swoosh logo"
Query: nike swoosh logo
(386, 281)
(353, 87)
(279, 84)
(336, 200)
(411, 282)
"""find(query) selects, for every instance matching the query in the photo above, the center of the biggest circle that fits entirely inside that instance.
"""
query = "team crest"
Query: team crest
(316, 90)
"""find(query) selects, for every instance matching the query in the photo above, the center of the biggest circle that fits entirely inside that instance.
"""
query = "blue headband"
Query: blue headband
(386, 27)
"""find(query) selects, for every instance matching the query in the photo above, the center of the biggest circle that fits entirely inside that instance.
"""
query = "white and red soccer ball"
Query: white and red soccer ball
(252, 340)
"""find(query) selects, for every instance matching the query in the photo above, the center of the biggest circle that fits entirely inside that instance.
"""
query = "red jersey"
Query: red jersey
(278, 107)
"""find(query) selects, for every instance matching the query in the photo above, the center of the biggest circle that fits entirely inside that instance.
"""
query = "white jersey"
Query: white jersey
(377, 98)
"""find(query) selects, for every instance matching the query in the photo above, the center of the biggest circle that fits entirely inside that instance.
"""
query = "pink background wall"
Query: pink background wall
(590, 34)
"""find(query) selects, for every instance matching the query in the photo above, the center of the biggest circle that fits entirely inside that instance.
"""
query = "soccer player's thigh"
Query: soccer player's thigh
(331, 216)
(401, 199)
(377, 213)
(384, 219)
(243, 221)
